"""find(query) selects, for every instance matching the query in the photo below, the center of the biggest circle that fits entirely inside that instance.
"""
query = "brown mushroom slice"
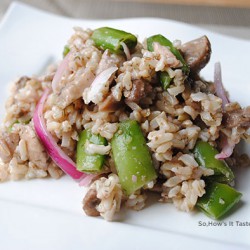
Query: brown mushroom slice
(110, 104)
(140, 89)
(90, 202)
(197, 53)
(237, 118)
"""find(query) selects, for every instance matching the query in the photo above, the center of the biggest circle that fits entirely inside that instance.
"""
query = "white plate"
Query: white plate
(47, 214)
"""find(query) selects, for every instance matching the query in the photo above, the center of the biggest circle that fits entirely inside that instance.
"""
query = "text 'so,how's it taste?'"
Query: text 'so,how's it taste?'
(235, 223)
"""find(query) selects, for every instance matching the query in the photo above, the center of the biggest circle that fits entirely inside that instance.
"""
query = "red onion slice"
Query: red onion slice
(219, 89)
(95, 94)
(226, 152)
(55, 152)
(227, 148)
(126, 50)
(62, 68)
(86, 181)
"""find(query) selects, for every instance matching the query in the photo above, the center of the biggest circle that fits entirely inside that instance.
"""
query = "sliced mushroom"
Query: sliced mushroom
(110, 104)
(197, 53)
(237, 118)
(139, 90)
(90, 202)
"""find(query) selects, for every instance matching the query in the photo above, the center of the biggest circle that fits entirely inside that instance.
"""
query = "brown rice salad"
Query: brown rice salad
(125, 118)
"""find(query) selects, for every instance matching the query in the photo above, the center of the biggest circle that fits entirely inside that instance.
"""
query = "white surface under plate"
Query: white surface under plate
(47, 214)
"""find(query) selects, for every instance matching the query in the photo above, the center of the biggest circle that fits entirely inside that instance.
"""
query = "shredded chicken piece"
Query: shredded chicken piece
(74, 90)
(36, 151)
(8, 143)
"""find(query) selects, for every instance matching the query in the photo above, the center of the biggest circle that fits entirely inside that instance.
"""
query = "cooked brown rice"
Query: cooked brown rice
(172, 121)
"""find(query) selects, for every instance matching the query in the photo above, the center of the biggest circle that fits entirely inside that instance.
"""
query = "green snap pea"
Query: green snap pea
(66, 50)
(11, 126)
(85, 161)
(16, 122)
(111, 39)
(218, 200)
(165, 80)
(132, 157)
(164, 77)
(204, 154)
(165, 42)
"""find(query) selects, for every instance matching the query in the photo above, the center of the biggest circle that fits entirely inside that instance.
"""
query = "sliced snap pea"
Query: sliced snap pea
(164, 77)
(111, 39)
(16, 122)
(165, 80)
(216, 178)
(66, 50)
(132, 157)
(204, 154)
(85, 161)
(218, 200)
(165, 42)
(11, 126)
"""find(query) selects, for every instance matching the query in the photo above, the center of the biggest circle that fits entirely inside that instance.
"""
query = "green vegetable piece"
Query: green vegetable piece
(11, 126)
(66, 50)
(165, 42)
(204, 154)
(109, 38)
(165, 80)
(132, 157)
(16, 122)
(86, 162)
(218, 200)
